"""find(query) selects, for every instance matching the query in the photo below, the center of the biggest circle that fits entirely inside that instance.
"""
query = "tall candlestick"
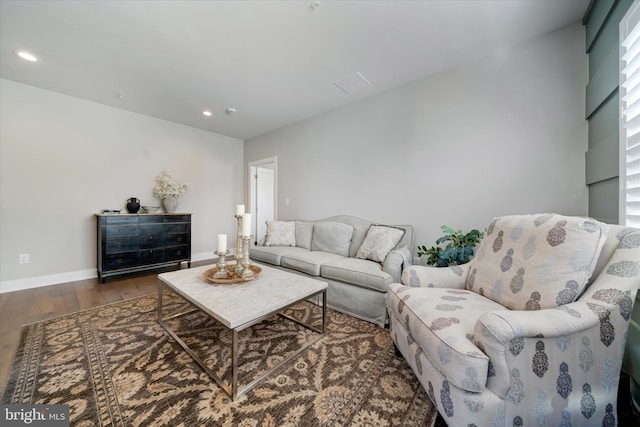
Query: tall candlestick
(239, 209)
(222, 242)
(239, 254)
(246, 225)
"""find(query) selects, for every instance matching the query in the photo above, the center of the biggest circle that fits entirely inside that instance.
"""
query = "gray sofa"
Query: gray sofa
(358, 274)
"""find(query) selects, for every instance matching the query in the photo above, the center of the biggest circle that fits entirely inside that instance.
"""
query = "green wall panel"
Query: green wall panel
(602, 160)
(598, 13)
(604, 122)
(607, 37)
(603, 83)
(603, 201)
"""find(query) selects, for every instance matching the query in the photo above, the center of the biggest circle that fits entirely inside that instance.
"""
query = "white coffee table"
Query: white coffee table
(239, 306)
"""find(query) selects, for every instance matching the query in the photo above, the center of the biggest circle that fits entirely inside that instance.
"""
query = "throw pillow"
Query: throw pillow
(304, 231)
(359, 233)
(280, 233)
(379, 241)
(334, 237)
(532, 262)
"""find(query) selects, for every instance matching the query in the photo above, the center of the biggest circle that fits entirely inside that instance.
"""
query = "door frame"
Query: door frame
(252, 190)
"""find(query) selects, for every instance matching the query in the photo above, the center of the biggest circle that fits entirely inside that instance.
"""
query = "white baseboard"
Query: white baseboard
(48, 280)
(72, 276)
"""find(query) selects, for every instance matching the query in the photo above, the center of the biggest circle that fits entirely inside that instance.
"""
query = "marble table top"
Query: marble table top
(235, 305)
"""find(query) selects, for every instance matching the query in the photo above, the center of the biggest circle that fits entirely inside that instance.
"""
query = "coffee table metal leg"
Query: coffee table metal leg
(234, 364)
(160, 302)
(324, 312)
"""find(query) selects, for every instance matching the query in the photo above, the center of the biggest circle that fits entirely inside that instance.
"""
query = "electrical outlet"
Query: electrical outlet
(23, 259)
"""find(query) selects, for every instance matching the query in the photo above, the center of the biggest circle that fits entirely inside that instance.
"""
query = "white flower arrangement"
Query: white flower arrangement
(169, 186)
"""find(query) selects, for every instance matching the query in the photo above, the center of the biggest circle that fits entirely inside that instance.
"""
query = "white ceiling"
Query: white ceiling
(274, 61)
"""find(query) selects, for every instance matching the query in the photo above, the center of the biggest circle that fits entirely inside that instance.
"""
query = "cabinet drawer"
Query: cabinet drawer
(176, 228)
(151, 256)
(150, 219)
(121, 244)
(176, 239)
(150, 229)
(177, 252)
(121, 230)
(120, 220)
(177, 218)
(150, 241)
(122, 260)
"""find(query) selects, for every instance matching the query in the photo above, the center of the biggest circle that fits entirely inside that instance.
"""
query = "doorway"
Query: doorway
(262, 194)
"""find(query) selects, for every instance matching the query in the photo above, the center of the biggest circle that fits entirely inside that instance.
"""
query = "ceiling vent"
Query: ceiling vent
(353, 83)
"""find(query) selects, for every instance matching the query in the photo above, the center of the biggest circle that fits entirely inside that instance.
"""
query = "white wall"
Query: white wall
(63, 159)
(502, 135)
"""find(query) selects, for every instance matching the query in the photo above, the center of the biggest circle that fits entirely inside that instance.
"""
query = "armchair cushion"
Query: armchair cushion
(531, 262)
(442, 321)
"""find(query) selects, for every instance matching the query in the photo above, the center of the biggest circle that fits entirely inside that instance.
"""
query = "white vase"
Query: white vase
(170, 204)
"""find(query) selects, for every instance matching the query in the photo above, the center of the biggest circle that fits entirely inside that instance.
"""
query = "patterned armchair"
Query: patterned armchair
(531, 332)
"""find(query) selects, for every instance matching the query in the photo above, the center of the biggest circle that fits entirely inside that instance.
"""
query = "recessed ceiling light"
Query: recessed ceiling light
(26, 55)
(206, 113)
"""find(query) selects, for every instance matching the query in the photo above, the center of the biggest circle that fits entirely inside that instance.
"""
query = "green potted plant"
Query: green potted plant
(454, 248)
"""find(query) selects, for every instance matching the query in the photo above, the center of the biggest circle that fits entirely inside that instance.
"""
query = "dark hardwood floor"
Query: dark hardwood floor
(33, 305)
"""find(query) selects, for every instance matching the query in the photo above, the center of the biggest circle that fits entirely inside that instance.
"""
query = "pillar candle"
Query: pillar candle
(239, 209)
(246, 225)
(222, 243)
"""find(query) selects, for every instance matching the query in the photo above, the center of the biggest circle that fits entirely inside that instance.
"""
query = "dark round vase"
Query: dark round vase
(133, 205)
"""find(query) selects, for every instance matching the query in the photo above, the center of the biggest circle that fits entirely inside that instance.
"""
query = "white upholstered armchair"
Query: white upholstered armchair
(531, 332)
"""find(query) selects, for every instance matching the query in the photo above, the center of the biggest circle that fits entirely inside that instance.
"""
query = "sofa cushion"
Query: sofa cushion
(307, 261)
(359, 233)
(304, 232)
(334, 237)
(530, 262)
(379, 241)
(280, 233)
(360, 272)
(272, 254)
(442, 322)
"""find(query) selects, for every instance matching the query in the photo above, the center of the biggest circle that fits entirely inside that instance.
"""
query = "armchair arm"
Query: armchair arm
(420, 276)
(522, 343)
(395, 261)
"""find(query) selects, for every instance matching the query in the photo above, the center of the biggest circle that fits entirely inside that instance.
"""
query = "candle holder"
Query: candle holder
(239, 235)
(246, 261)
(238, 268)
(222, 265)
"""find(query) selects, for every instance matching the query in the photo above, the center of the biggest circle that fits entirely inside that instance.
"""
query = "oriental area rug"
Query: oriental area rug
(115, 366)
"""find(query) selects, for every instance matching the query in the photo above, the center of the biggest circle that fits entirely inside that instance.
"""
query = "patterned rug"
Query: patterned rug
(115, 366)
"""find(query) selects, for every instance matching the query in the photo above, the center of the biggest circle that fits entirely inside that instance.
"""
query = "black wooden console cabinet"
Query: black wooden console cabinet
(131, 243)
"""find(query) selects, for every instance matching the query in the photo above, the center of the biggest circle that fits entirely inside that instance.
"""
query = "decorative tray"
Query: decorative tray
(208, 275)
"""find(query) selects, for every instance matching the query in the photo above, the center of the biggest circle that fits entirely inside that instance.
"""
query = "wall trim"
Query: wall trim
(71, 276)
(48, 280)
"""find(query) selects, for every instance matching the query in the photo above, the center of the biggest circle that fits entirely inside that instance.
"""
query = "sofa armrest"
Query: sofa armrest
(515, 340)
(420, 276)
(395, 261)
